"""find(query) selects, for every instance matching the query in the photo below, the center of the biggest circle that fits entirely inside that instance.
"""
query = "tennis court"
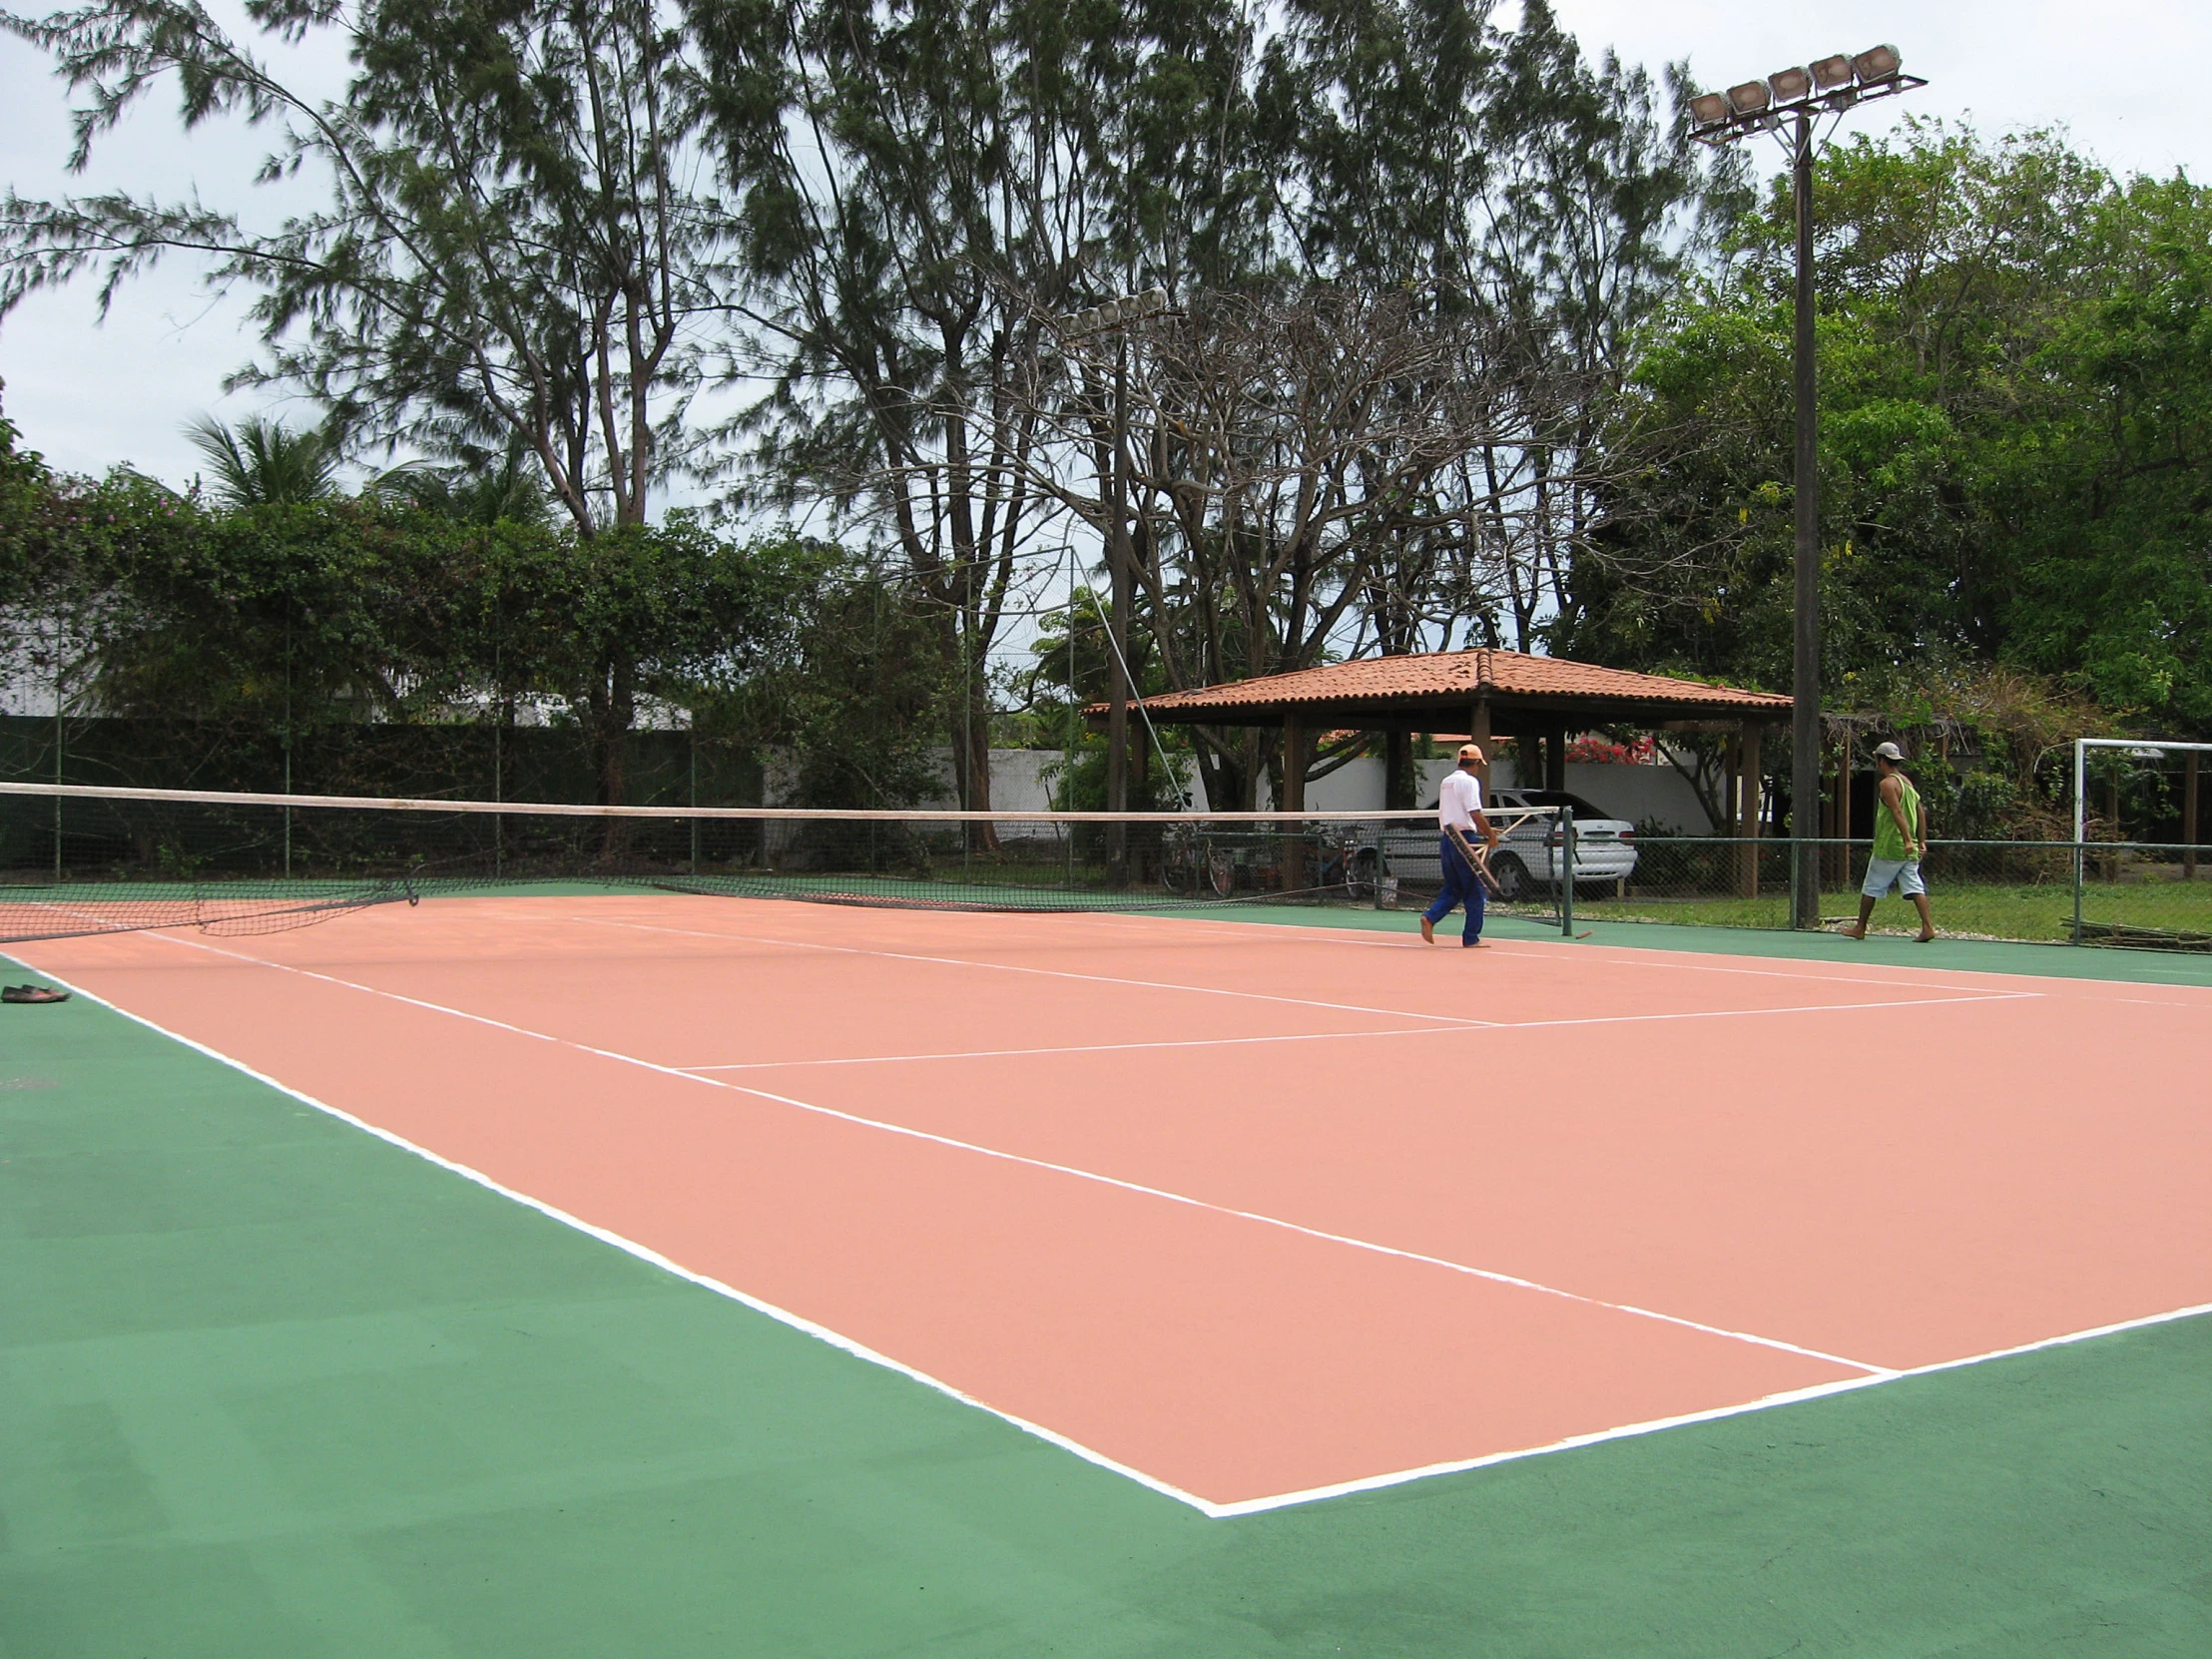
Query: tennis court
(1247, 1218)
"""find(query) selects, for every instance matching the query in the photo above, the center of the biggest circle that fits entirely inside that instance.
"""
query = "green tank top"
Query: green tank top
(1887, 843)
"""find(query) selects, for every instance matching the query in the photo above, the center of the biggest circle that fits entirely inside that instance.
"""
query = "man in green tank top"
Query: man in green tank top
(1899, 837)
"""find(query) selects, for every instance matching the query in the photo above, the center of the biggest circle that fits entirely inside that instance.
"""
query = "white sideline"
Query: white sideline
(1284, 1500)
(644, 1252)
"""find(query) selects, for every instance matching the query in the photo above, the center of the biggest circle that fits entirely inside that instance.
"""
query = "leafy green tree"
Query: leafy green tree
(924, 184)
(2012, 460)
(511, 492)
(512, 252)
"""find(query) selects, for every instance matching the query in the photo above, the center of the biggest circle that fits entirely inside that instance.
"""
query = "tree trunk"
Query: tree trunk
(610, 711)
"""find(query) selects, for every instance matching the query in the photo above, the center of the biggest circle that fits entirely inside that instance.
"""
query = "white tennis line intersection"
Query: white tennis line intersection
(1873, 1375)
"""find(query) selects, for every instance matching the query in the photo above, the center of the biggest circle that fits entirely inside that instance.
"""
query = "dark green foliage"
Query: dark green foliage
(288, 620)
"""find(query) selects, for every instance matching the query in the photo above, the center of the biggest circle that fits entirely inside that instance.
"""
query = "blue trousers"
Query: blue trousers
(1461, 887)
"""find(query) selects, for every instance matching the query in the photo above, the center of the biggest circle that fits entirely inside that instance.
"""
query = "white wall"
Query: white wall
(1018, 783)
(1635, 793)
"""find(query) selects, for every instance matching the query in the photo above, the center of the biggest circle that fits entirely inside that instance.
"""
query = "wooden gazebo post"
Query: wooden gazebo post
(1747, 810)
(1292, 802)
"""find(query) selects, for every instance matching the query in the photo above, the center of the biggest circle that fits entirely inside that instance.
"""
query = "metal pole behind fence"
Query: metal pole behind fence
(1566, 872)
(2080, 801)
(1804, 682)
(57, 760)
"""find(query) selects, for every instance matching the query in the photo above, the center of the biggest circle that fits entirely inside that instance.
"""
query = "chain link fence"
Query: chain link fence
(2136, 894)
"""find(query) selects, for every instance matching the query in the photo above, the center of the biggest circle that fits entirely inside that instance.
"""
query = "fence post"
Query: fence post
(1566, 872)
(2189, 831)
(2078, 862)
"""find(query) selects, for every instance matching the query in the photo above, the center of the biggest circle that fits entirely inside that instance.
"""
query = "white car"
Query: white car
(1531, 855)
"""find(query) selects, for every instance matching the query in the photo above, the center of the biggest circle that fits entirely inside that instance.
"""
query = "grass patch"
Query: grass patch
(2032, 912)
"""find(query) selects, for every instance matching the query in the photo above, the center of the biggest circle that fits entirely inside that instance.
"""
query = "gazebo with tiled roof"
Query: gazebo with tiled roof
(1484, 692)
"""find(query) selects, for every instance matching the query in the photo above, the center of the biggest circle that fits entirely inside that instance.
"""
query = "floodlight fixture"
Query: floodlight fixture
(1877, 64)
(1831, 73)
(1749, 98)
(1114, 313)
(1791, 86)
(1710, 109)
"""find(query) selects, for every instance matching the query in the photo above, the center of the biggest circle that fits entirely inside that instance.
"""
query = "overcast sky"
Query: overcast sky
(2123, 75)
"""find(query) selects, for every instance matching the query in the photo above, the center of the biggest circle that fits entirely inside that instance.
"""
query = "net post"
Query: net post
(1567, 873)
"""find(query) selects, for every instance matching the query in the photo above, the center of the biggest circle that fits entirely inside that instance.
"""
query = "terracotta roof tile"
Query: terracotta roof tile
(1445, 675)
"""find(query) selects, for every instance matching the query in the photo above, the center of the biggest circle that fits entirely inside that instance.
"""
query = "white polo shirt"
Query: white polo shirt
(1457, 800)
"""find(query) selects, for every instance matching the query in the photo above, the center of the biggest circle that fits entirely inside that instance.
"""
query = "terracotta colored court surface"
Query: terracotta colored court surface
(1258, 1214)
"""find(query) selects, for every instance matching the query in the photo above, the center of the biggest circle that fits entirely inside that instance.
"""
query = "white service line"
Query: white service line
(1077, 1048)
(1491, 1274)
(1453, 1021)
(1485, 1027)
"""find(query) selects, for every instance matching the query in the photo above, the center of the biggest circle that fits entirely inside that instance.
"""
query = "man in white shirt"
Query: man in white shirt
(1460, 815)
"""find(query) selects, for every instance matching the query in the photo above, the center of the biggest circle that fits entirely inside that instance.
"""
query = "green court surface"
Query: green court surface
(273, 1386)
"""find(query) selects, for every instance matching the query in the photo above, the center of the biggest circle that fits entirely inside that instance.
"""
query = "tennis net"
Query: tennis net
(77, 859)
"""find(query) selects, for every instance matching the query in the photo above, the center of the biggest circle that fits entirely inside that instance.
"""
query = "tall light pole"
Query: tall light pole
(1788, 102)
(1115, 317)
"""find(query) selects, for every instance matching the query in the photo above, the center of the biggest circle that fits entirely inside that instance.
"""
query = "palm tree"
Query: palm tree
(259, 463)
(507, 492)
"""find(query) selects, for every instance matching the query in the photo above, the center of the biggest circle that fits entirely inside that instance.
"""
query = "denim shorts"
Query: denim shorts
(1905, 873)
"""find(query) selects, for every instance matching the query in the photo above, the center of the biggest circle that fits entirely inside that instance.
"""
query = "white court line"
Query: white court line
(796, 1321)
(1078, 1048)
(1485, 1027)
(645, 1252)
(1454, 1020)
(1449, 1022)
(907, 1131)
(1285, 1500)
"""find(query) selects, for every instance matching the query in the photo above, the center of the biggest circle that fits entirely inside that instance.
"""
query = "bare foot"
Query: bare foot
(1850, 932)
(1428, 931)
(1474, 945)
(1928, 938)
